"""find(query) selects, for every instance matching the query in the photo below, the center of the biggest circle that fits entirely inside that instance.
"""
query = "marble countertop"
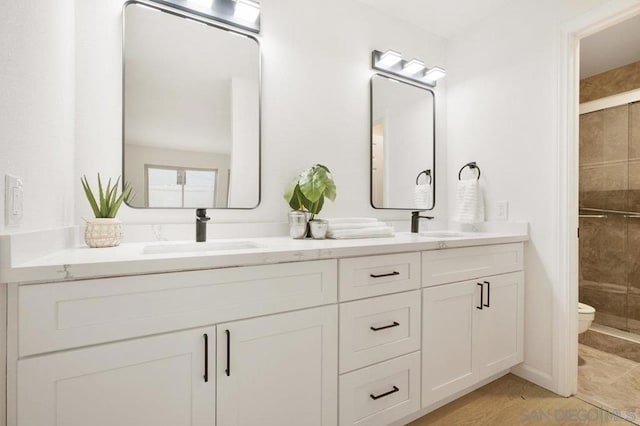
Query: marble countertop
(141, 258)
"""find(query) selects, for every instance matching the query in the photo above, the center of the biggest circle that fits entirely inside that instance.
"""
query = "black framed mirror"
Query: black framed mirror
(191, 112)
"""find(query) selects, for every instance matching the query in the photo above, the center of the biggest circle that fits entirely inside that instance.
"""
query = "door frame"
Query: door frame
(565, 332)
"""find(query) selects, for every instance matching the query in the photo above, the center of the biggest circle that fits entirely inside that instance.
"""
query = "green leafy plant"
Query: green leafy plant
(307, 191)
(108, 201)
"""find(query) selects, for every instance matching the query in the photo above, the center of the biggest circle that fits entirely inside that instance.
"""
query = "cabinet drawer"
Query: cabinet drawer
(362, 277)
(381, 394)
(376, 329)
(65, 315)
(460, 264)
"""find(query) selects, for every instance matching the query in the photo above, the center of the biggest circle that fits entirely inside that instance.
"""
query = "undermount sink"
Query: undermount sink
(197, 247)
(447, 234)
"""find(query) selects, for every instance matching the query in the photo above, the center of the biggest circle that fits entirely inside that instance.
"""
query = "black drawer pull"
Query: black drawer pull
(206, 358)
(481, 296)
(384, 327)
(228, 369)
(382, 395)
(384, 275)
(487, 305)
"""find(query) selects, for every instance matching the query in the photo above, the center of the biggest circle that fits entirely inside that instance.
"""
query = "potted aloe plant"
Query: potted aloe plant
(306, 194)
(105, 230)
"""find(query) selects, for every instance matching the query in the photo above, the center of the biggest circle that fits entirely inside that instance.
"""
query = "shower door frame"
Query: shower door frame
(565, 304)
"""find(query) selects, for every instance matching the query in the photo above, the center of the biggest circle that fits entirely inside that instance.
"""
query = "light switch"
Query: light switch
(13, 200)
(503, 210)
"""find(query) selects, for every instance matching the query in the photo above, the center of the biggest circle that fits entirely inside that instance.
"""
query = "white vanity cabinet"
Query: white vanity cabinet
(352, 341)
(472, 329)
(106, 352)
(160, 380)
(279, 370)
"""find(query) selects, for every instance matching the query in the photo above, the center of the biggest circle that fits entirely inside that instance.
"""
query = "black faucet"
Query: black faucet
(415, 221)
(201, 225)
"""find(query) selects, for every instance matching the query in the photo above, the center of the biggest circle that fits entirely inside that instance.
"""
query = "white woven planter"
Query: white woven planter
(103, 232)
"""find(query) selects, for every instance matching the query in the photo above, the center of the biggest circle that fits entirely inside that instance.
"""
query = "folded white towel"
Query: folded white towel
(355, 225)
(351, 220)
(469, 202)
(423, 196)
(373, 232)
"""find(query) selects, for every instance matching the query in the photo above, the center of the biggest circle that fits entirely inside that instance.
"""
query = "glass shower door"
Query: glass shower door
(604, 214)
(633, 221)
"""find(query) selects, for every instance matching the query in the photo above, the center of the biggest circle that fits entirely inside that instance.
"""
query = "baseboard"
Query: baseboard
(535, 376)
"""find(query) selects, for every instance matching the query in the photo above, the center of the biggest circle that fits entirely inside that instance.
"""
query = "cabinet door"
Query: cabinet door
(499, 341)
(447, 339)
(279, 370)
(155, 381)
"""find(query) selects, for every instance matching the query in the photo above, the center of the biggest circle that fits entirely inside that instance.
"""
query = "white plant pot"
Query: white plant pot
(103, 232)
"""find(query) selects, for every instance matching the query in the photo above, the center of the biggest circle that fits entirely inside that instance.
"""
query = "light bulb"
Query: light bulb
(389, 58)
(435, 73)
(414, 66)
(247, 10)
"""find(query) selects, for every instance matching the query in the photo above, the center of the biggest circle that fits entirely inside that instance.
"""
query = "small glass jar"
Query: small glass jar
(297, 224)
(319, 229)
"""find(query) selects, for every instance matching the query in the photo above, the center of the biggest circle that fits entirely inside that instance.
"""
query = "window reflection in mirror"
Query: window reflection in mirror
(402, 145)
(180, 188)
(191, 112)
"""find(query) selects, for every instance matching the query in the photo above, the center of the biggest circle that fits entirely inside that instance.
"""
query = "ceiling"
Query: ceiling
(445, 19)
(611, 48)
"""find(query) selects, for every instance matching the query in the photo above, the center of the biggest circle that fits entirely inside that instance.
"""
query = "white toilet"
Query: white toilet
(586, 314)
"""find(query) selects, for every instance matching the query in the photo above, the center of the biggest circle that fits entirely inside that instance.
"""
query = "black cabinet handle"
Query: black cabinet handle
(384, 275)
(395, 324)
(206, 358)
(228, 369)
(488, 294)
(382, 395)
(481, 296)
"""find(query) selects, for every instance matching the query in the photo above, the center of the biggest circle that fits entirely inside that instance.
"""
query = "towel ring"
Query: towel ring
(427, 173)
(472, 165)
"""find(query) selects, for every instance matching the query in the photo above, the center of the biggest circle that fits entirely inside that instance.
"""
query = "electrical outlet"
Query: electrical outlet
(503, 210)
(13, 200)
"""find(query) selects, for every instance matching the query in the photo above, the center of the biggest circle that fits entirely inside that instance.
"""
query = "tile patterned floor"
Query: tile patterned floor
(511, 400)
(610, 382)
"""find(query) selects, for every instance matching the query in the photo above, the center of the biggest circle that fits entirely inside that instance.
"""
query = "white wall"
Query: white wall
(36, 109)
(502, 80)
(316, 69)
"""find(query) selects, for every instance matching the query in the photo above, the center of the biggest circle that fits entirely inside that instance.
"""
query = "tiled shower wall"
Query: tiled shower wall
(609, 83)
(610, 212)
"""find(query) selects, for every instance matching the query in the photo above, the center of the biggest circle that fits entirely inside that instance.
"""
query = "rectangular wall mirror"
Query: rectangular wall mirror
(191, 118)
(402, 145)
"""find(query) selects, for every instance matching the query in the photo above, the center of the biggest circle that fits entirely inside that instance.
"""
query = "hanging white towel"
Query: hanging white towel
(469, 202)
(423, 196)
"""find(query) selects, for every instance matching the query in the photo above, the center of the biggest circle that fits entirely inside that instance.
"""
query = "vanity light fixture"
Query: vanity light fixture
(247, 10)
(391, 62)
(434, 74)
(201, 3)
(244, 14)
(414, 66)
(389, 58)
